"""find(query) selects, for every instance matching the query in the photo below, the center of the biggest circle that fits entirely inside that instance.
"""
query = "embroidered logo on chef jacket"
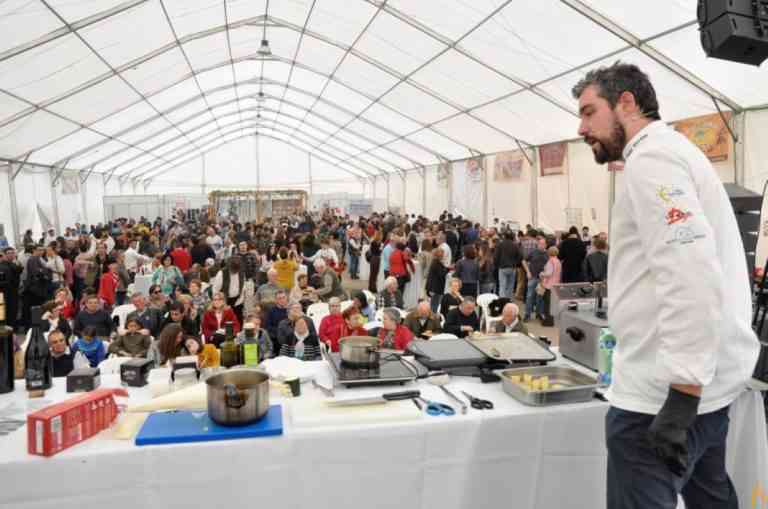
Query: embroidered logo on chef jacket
(676, 215)
(684, 235)
(668, 194)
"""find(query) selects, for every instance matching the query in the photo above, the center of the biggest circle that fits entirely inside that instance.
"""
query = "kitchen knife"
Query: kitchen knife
(375, 400)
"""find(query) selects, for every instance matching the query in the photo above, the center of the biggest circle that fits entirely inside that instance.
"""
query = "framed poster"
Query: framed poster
(709, 133)
(508, 166)
(554, 159)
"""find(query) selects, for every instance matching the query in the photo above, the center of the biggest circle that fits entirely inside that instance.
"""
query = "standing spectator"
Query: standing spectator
(181, 257)
(55, 264)
(596, 263)
(453, 298)
(124, 279)
(572, 254)
(487, 269)
(424, 257)
(507, 260)
(133, 260)
(167, 276)
(550, 276)
(533, 266)
(436, 275)
(400, 265)
(108, 286)
(232, 283)
(10, 281)
(374, 261)
(355, 247)
(286, 267)
(37, 285)
(468, 270)
(201, 251)
(386, 252)
(528, 243)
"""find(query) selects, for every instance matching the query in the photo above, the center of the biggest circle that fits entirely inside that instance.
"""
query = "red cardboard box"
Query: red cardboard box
(57, 427)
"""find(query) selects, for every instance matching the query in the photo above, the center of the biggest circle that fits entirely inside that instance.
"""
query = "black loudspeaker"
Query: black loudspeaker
(747, 206)
(734, 30)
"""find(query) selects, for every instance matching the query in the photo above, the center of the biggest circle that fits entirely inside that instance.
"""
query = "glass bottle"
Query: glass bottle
(7, 366)
(230, 353)
(38, 362)
(249, 350)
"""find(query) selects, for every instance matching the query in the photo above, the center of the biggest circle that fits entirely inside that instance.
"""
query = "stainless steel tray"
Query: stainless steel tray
(512, 347)
(578, 387)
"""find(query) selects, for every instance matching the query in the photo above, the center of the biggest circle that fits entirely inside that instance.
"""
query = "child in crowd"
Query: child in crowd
(91, 346)
(133, 343)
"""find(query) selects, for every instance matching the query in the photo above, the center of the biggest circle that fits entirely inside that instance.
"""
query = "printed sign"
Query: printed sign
(508, 166)
(554, 159)
(709, 133)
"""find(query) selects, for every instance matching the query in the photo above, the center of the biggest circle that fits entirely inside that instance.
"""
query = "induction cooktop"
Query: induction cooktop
(391, 370)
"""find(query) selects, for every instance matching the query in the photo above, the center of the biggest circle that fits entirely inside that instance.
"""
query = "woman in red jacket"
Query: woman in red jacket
(108, 285)
(217, 316)
(392, 334)
(400, 266)
(349, 325)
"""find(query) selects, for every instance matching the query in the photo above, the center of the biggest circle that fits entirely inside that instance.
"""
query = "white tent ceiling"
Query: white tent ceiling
(137, 87)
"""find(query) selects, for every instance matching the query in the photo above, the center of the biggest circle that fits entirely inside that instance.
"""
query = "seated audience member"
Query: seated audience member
(301, 343)
(390, 296)
(149, 318)
(392, 334)
(303, 293)
(267, 293)
(52, 319)
(367, 309)
(133, 343)
(331, 324)
(453, 298)
(158, 300)
(200, 299)
(329, 284)
(90, 346)
(93, 316)
(285, 328)
(172, 344)
(510, 320)
(422, 321)
(108, 285)
(63, 359)
(176, 315)
(276, 315)
(217, 316)
(596, 263)
(262, 336)
(463, 320)
(63, 298)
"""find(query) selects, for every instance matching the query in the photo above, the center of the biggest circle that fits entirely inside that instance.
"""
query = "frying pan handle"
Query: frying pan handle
(232, 397)
(395, 396)
(575, 333)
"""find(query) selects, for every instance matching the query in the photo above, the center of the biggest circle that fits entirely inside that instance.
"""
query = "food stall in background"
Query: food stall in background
(247, 206)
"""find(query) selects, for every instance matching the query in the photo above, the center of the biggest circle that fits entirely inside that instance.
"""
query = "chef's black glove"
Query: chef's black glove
(668, 434)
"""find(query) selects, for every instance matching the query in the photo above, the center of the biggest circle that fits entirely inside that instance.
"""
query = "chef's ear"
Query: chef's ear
(627, 103)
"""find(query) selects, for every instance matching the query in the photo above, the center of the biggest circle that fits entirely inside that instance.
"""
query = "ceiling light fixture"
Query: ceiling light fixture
(264, 49)
(260, 98)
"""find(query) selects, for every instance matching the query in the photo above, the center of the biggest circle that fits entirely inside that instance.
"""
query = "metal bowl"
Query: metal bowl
(238, 397)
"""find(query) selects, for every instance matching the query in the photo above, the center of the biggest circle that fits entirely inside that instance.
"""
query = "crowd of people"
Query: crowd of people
(265, 276)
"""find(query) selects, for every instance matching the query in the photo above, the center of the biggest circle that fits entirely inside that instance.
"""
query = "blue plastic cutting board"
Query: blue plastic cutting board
(183, 426)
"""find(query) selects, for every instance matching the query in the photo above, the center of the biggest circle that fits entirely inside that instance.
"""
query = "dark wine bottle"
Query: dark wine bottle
(230, 353)
(38, 362)
(7, 367)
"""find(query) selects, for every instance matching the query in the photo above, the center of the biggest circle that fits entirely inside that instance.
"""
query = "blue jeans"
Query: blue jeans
(507, 277)
(434, 302)
(531, 298)
(638, 478)
(354, 265)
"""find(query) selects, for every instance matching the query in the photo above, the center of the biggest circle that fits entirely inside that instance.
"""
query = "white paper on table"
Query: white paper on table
(286, 368)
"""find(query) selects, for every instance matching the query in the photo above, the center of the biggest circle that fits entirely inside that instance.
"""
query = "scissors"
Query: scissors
(477, 403)
(435, 408)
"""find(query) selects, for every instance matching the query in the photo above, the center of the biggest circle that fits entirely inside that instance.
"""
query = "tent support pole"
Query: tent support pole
(83, 195)
(423, 191)
(55, 202)
(535, 189)
(202, 180)
(405, 189)
(485, 221)
(14, 206)
(388, 203)
(309, 177)
(740, 149)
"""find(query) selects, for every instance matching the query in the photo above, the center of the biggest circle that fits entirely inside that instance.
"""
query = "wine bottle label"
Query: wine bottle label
(2, 312)
(251, 354)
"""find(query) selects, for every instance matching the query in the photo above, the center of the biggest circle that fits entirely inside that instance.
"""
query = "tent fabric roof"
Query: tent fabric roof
(372, 86)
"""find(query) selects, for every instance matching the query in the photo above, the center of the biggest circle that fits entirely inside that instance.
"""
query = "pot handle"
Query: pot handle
(232, 398)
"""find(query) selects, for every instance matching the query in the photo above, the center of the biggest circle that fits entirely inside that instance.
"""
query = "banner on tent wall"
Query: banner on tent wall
(443, 174)
(468, 178)
(70, 184)
(508, 166)
(709, 133)
(554, 159)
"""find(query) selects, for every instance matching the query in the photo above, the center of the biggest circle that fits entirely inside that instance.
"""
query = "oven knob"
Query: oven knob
(575, 333)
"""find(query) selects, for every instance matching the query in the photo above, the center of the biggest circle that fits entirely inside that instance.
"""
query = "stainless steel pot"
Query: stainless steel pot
(238, 397)
(359, 351)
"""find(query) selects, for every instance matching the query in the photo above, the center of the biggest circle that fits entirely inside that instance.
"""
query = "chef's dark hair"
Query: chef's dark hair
(613, 81)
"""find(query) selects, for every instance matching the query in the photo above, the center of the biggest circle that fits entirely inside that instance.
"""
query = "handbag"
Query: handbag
(368, 256)
(540, 290)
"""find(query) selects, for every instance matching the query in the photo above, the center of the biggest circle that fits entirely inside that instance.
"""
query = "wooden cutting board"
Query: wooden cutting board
(315, 413)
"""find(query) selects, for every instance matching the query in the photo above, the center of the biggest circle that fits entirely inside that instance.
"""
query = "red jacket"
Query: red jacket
(210, 324)
(182, 259)
(403, 337)
(330, 330)
(108, 288)
(399, 261)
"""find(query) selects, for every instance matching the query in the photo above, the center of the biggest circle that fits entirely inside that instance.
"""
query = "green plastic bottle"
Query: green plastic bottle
(249, 349)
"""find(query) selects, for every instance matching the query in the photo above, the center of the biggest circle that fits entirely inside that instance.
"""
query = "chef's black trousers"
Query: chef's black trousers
(637, 478)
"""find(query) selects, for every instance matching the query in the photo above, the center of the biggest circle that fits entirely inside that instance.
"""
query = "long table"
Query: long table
(512, 456)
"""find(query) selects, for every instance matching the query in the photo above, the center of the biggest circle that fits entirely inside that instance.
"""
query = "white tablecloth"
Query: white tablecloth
(512, 456)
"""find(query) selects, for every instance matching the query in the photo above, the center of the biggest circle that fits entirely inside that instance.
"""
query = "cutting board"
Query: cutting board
(313, 413)
(184, 426)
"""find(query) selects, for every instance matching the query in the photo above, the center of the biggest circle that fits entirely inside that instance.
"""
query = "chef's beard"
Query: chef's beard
(611, 149)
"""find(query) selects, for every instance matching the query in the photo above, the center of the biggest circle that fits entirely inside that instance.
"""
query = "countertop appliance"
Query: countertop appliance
(579, 336)
(391, 370)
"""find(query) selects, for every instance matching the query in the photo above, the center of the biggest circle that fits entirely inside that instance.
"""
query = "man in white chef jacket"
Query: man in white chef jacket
(679, 303)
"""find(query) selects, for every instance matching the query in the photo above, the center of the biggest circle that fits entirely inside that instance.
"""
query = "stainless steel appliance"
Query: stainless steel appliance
(579, 336)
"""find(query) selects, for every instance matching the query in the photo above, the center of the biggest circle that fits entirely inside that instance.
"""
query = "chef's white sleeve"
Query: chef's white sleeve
(680, 250)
